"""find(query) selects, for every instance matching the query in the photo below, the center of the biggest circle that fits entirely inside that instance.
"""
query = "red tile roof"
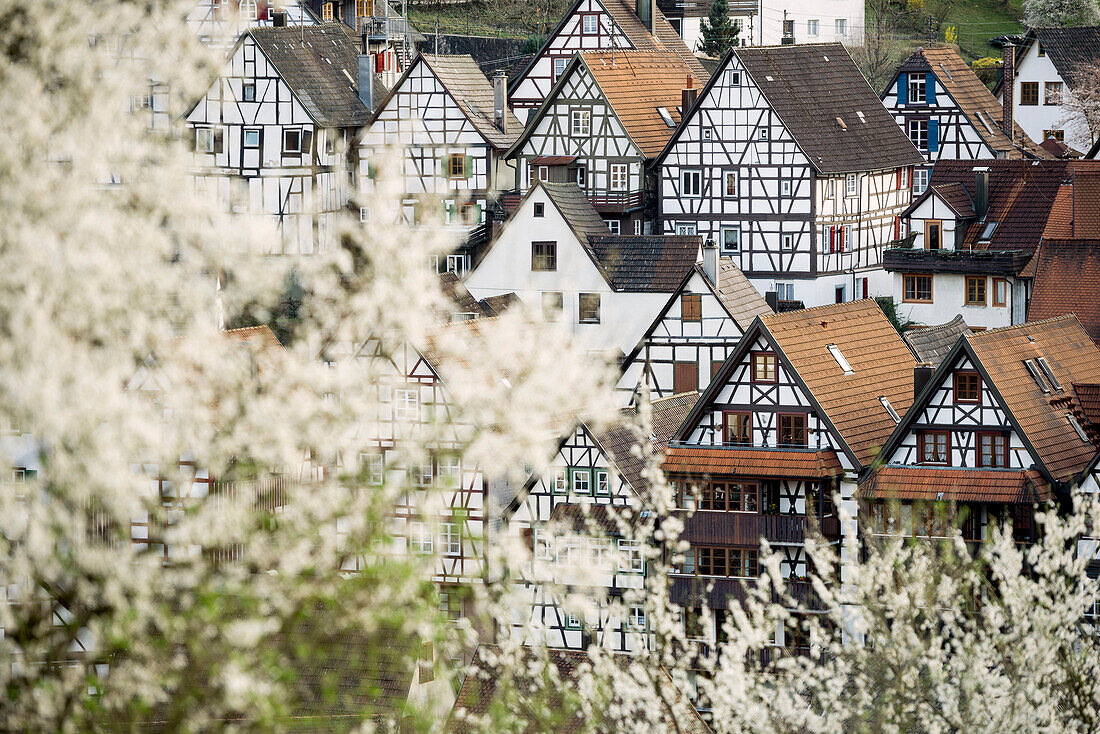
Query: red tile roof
(1086, 201)
(1088, 395)
(935, 484)
(1060, 220)
(1067, 280)
(699, 461)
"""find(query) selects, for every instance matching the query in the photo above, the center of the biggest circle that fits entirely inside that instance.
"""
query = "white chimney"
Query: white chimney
(710, 261)
(500, 101)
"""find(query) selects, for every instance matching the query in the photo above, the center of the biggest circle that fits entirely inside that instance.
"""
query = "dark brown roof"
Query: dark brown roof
(977, 102)
(882, 366)
(955, 196)
(811, 85)
(479, 692)
(576, 209)
(934, 484)
(496, 305)
(320, 64)
(1071, 50)
(645, 263)
(932, 344)
(620, 438)
(636, 83)
(755, 462)
(1067, 280)
(740, 297)
(459, 296)
(1073, 357)
(473, 93)
(1088, 395)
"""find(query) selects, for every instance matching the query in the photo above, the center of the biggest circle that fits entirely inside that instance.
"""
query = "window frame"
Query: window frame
(539, 210)
(905, 278)
(980, 283)
(293, 150)
(774, 365)
(736, 231)
(450, 539)
(425, 542)
(915, 80)
(956, 398)
(401, 407)
(851, 185)
(580, 472)
(1003, 300)
(1057, 88)
(686, 176)
(922, 441)
(1002, 453)
(729, 420)
(679, 368)
(1030, 98)
(581, 297)
(691, 307)
(258, 132)
(595, 22)
(580, 122)
(451, 169)
(780, 417)
(918, 135)
(245, 88)
(618, 177)
(929, 225)
(726, 174)
(545, 261)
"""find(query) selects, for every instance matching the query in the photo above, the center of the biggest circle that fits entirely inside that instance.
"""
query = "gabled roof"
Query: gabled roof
(620, 438)
(974, 99)
(1069, 49)
(815, 87)
(575, 209)
(320, 64)
(941, 483)
(932, 344)
(1067, 280)
(739, 296)
(644, 263)
(955, 196)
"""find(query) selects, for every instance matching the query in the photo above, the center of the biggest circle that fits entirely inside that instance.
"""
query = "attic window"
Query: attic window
(1043, 365)
(839, 357)
(859, 114)
(890, 409)
(666, 116)
(990, 228)
(840, 121)
(1036, 375)
(1077, 427)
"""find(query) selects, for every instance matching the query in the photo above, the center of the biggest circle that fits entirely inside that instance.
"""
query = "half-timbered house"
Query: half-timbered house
(275, 134)
(693, 334)
(570, 514)
(557, 255)
(220, 23)
(795, 414)
(606, 118)
(453, 126)
(596, 25)
(789, 161)
(948, 113)
(998, 428)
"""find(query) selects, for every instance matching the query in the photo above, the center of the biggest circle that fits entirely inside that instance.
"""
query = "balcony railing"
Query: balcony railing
(744, 528)
(616, 201)
(381, 29)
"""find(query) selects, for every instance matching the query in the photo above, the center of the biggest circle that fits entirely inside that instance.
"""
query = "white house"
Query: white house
(768, 22)
(789, 161)
(272, 133)
(557, 255)
(1048, 63)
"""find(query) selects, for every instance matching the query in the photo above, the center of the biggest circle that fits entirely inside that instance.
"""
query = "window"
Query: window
(560, 482)
(618, 175)
(743, 562)
(787, 242)
(326, 11)
(851, 184)
(731, 239)
(208, 140)
(364, 214)
(613, 226)
(763, 367)
(1052, 93)
(788, 28)
(1041, 51)
(685, 228)
(540, 209)
(729, 184)
(917, 83)
(544, 173)
(406, 404)
(1029, 93)
(987, 233)
(421, 474)
(1059, 135)
(636, 620)
(733, 78)
(450, 539)
(917, 288)
(456, 166)
(582, 481)
(784, 291)
(250, 9)
(420, 538)
(579, 174)
(450, 469)
(992, 450)
(903, 178)
(1077, 428)
(920, 180)
(631, 550)
(933, 239)
(830, 188)
(792, 430)
(248, 93)
(1033, 370)
(1000, 292)
(785, 187)
(691, 183)
(559, 67)
(967, 387)
(708, 133)
(813, 27)
(251, 138)
(373, 468)
(932, 447)
(580, 123)
(544, 256)
(685, 377)
(552, 304)
(637, 227)
(975, 290)
(762, 133)
(361, 10)
(710, 561)
(691, 307)
(603, 482)
(590, 24)
(292, 141)
(841, 27)
(918, 134)
(738, 429)
(588, 308)
(840, 358)
(469, 213)
(890, 409)
(666, 117)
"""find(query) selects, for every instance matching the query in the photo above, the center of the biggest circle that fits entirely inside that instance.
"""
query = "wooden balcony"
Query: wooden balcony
(746, 528)
(616, 202)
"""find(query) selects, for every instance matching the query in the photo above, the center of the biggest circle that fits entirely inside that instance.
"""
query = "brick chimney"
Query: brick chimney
(687, 96)
(1008, 88)
(500, 101)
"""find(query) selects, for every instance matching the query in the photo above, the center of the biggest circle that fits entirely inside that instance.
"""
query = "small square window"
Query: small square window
(588, 308)
(708, 133)
(582, 481)
(613, 226)
(967, 387)
(975, 290)
(248, 93)
(733, 78)
(292, 141)
(762, 133)
(580, 123)
(540, 209)
(763, 367)
(691, 307)
(251, 138)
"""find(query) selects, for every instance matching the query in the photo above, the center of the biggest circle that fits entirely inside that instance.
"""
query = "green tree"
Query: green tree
(719, 32)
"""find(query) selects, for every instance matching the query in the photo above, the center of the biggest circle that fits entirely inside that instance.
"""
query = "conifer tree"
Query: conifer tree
(719, 32)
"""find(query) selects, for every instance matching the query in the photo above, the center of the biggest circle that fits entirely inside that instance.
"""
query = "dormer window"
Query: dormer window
(666, 116)
(840, 359)
(990, 228)
(917, 90)
(890, 409)
(1049, 373)
(1033, 370)
(1077, 427)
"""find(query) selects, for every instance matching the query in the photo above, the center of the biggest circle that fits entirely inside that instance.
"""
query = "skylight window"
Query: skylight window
(1077, 427)
(666, 116)
(839, 357)
(890, 409)
(1045, 367)
(840, 121)
(1036, 375)
(990, 228)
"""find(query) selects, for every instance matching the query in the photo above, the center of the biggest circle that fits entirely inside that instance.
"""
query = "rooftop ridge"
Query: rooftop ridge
(1002, 329)
(823, 307)
(937, 327)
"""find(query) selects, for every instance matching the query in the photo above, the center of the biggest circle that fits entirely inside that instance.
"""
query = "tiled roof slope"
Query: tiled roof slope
(620, 438)
(1088, 395)
(1060, 221)
(1086, 199)
(1072, 356)
(1021, 194)
(931, 344)
(1067, 280)
(636, 83)
(933, 484)
(576, 209)
(580, 517)
(645, 263)
(665, 38)
(1071, 49)
(809, 86)
(698, 460)
(977, 102)
(320, 64)
(957, 197)
(738, 295)
(882, 366)
(473, 93)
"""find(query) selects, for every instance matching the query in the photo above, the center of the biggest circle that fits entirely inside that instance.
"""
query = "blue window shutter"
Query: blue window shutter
(933, 135)
(903, 88)
(930, 88)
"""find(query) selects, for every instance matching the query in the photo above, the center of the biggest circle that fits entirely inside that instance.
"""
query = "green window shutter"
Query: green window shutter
(469, 166)
(477, 213)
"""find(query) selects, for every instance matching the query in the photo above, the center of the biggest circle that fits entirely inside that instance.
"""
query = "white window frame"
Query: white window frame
(736, 239)
(630, 556)
(421, 541)
(726, 174)
(763, 133)
(559, 482)
(559, 64)
(586, 475)
(249, 10)
(422, 474)
(613, 226)
(920, 181)
(851, 184)
(813, 28)
(784, 289)
(204, 139)
(637, 227)
(691, 183)
(917, 130)
(786, 187)
(733, 78)
(449, 466)
(841, 27)
(636, 618)
(687, 228)
(595, 27)
(406, 403)
(580, 123)
(708, 133)
(918, 82)
(301, 140)
(456, 264)
(374, 465)
(364, 214)
(450, 539)
(603, 482)
(618, 175)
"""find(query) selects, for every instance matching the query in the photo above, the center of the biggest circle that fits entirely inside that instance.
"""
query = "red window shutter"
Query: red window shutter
(865, 290)
(897, 228)
(261, 10)
(832, 238)
(897, 184)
